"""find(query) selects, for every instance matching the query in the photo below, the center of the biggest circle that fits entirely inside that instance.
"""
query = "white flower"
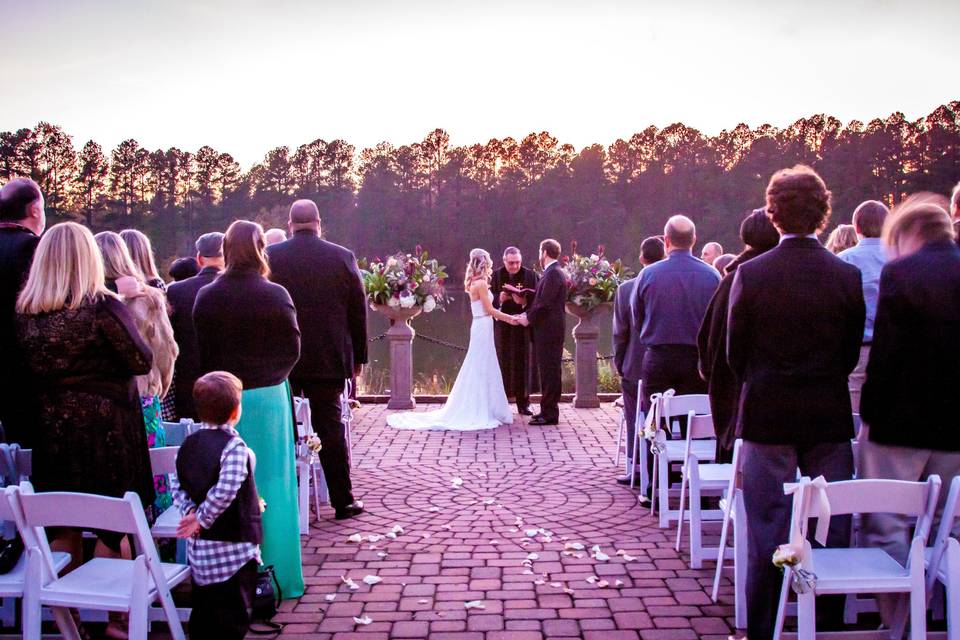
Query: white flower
(429, 304)
(407, 301)
(393, 302)
(785, 556)
(594, 257)
(391, 262)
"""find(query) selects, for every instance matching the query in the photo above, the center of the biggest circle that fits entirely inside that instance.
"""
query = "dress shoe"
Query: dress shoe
(540, 421)
(524, 411)
(625, 480)
(349, 511)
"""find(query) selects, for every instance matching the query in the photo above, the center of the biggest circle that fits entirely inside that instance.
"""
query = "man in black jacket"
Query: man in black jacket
(182, 295)
(794, 330)
(22, 220)
(547, 321)
(327, 290)
(513, 341)
(912, 377)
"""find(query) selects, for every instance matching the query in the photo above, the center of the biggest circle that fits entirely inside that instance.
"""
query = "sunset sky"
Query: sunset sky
(247, 76)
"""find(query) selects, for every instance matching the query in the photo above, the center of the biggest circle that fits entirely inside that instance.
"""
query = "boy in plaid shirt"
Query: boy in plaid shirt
(217, 496)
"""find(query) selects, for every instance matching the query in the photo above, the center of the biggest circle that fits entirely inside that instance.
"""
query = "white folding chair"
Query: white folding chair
(640, 444)
(943, 561)
(346, 417)
(163, 461)
(733, 513)
(105, 584)
(858, 570)
(12, 582)
(308, 472)
(703, 479)
(621, 431)
(668, 452)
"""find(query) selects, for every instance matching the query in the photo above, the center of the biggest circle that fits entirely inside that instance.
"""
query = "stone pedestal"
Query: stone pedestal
(400, 338)
(585, 336)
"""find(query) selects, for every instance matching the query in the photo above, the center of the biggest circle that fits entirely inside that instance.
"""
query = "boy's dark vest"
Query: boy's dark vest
(198, 469)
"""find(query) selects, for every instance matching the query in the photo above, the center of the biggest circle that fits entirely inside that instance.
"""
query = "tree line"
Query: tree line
(506, 191)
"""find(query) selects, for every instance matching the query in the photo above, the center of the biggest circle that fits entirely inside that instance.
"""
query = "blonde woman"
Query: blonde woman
(149, 309)
(842, 238)
(477, 400)
(141, 252)
(83, 352)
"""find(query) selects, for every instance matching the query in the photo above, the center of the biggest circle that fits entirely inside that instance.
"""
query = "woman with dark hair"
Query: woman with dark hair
(247, 325)
(758, 235)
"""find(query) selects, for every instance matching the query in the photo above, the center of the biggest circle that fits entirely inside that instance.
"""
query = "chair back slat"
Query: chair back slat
(302, 416)
(82, 510)
(944, 532)
(163, 460)
(700, 427)
(673, 406)
(876, 496)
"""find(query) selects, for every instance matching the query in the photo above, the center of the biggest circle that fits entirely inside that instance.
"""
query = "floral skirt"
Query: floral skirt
(156, 438)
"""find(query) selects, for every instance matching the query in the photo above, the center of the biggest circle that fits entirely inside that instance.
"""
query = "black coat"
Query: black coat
(546, 312)
(182, 296)
(247, 325)
(325, 285)
(525, 278)
(722, 384)
(17, 245)
(794, 330)
(909, 397)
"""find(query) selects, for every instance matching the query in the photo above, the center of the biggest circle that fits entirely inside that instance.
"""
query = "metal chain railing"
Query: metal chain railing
(456, 347)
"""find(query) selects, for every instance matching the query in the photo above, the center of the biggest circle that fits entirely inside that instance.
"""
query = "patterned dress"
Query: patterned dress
(156, 437)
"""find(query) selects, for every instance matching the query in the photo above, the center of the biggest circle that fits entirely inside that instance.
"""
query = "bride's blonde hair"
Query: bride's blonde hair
(480, 267)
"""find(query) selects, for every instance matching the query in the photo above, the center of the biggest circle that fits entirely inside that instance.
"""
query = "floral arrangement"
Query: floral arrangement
(785, 556)
(592, 280)
(405, 281)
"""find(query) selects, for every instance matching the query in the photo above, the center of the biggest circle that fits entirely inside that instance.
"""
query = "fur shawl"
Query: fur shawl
(151, 315)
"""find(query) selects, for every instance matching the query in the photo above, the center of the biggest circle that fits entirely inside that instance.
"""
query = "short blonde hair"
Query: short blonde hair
(842, 238)
(921, 216)
(66, 271)
(141, 252)
(117, 262)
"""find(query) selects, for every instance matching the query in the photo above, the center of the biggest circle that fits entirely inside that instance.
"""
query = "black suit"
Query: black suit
(513, 341)
(794, 328)
(548, 327)
(908, 399)
(182, 296)
(17, 245)
(327, 290)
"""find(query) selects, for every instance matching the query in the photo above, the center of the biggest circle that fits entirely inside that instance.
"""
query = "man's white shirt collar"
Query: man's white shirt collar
(787, 236)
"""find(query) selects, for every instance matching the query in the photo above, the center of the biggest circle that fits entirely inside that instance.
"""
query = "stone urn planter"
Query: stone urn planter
(585, 336)
(400, 337)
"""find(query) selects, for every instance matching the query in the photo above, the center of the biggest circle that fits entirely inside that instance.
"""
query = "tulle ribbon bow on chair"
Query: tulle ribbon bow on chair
(809, 499)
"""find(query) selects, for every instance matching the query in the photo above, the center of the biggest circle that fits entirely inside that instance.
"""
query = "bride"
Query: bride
(477, 400)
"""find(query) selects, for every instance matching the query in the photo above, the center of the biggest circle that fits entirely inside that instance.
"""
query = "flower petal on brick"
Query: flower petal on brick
(356, 538)
(365, 620)
(372, 580)
(474, 604)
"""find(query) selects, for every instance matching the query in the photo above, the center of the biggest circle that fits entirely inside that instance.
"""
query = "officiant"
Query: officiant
(512, 288)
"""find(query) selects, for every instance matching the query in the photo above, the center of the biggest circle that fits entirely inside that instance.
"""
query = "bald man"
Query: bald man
(670, 301)
(324, 283)
(710, 252)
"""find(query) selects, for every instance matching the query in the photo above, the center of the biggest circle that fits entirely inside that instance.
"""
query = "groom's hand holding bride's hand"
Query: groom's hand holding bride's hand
(522, 320)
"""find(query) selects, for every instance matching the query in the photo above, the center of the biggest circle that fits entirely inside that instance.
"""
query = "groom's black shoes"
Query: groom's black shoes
(524, 411)
(540, 421)
(353, 509)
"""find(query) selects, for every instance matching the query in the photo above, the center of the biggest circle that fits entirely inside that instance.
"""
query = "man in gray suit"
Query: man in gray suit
(627, 351)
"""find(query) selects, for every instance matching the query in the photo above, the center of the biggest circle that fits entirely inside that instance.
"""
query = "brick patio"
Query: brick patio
(465, 544)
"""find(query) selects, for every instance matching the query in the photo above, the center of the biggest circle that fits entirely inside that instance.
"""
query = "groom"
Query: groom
(546, 319)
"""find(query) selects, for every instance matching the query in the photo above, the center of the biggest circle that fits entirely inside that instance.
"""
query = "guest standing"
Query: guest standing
(909, 397)
(274, 236)
(83, 351)
(627, 350)
(668, 308)
(710, 252)
(148, 307)
(759, 236)
(141, 252)
(183, 268)
(868, 256)
(22, 220)
(327, 291)
(259, 343)
(955, 210)
(546, 318)
(841, 238)
(182, 296)
(513, 341)
(794, 329)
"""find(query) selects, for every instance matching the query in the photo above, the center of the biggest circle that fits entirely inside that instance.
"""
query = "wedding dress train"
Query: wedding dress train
(478, 400)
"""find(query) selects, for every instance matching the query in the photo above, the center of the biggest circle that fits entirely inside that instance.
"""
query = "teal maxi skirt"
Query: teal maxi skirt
(266, 425)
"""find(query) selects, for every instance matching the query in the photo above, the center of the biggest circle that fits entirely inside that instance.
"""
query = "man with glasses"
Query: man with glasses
(512, 287)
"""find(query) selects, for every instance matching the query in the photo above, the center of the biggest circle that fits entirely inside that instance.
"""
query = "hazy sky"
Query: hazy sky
(247, 76)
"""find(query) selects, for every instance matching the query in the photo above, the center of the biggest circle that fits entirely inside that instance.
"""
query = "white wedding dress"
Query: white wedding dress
(477, 400)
